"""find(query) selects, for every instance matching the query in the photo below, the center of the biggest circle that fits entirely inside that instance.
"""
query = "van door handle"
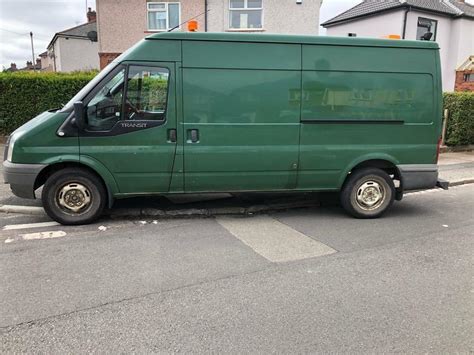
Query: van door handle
(193, 135)
(172, 135)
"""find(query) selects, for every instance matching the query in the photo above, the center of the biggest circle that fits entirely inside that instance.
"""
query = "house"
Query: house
(465, 76)
(75, 48)
(448, 22)
(122, 23)
(46, 62)
(13, 68)
(29, 67)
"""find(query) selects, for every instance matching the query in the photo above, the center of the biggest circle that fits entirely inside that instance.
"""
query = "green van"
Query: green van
(203, 112)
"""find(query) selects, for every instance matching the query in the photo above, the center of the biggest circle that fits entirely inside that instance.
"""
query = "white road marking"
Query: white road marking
(274, 240)
(43, 235)
(30, 225)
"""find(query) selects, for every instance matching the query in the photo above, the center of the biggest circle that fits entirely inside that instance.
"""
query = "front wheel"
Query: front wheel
(367, 193)
(74, 196)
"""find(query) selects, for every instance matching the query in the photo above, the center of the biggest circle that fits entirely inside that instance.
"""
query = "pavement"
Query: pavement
(457, 168)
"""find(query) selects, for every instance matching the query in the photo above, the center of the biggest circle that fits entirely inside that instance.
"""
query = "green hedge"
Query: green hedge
(460, 129)
(26, 94)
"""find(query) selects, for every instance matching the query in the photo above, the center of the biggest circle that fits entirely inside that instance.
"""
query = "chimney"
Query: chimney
(13, 67)
(29, 64)
(91, 15)
(38, 63)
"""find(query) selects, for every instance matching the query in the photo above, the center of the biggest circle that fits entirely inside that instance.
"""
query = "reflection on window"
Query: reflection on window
(365, 96)
(105, 108)
(245, 14)
(426, 29)
(163, 16)
(147, 92)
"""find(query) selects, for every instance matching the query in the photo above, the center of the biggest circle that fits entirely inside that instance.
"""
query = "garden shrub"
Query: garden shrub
(460, 128)
(23, 95)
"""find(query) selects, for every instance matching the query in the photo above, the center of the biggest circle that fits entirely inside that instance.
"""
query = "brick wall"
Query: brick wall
(106, 58)
(460, 84)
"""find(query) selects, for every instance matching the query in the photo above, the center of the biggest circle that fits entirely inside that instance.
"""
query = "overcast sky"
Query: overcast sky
(46, 17)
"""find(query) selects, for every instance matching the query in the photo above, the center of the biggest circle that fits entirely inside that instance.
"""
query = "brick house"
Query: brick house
(465, 76)
(122, 23)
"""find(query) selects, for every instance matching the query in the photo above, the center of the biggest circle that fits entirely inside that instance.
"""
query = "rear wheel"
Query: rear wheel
(74, 196)
(367, 193)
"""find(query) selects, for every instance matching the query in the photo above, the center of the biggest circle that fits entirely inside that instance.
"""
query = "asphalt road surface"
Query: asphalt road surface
(305, 280)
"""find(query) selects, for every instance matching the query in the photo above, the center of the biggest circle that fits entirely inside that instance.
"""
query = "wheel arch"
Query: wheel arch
(386, 163)
(88, 164)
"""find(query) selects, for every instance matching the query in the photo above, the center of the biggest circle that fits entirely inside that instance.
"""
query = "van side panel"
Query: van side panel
(243, 99)
(150, 51)
(363, 103)
(236, 55)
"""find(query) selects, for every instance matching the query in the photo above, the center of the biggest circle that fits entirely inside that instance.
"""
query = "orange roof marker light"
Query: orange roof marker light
(392, 37)
(192, 26)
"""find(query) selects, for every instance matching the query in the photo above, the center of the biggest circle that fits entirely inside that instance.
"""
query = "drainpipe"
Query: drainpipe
(205, 15)
(405, 21)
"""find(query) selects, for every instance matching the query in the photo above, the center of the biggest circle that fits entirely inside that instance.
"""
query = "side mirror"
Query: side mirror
(79, 115)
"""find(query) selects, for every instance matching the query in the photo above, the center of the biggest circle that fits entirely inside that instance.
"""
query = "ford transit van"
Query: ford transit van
(203, 112)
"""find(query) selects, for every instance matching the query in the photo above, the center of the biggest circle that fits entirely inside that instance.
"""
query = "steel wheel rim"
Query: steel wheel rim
(74, 198)
(370, 195)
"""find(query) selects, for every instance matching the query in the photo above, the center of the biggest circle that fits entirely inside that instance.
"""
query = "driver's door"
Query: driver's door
(131, 126)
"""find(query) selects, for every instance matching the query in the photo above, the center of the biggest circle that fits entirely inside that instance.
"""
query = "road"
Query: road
(305, 280)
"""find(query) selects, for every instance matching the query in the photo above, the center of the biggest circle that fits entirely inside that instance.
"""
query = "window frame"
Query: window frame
(125, 95)
(468, 77)
(245, 8)
(116, 129)
(427, 19)
(166, 10)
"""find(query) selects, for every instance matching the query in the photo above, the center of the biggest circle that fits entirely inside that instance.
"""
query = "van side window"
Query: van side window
(147, 93)
(105, 108)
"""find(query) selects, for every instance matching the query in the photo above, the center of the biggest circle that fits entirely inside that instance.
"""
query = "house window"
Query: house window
(245, 14)
(469, 77)
(163, 16)
(426, 30)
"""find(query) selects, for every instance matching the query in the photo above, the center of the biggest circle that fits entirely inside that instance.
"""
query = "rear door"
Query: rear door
(131, 128)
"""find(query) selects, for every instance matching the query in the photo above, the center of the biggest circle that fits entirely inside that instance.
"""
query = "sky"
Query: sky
(43, 17)
(46, 17)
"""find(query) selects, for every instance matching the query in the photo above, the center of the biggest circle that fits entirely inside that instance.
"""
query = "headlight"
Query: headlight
(10, 146)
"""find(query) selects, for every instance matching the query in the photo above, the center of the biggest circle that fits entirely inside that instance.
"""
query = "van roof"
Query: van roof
(296, 39)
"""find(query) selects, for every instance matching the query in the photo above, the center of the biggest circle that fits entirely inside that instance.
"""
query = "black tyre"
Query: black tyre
(74, 196)
(367, 193)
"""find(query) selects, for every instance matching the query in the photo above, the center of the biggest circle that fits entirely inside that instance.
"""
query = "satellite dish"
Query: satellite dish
(92, 35)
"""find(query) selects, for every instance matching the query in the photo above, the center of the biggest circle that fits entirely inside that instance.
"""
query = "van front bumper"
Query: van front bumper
(418, 176)
(21, 178)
